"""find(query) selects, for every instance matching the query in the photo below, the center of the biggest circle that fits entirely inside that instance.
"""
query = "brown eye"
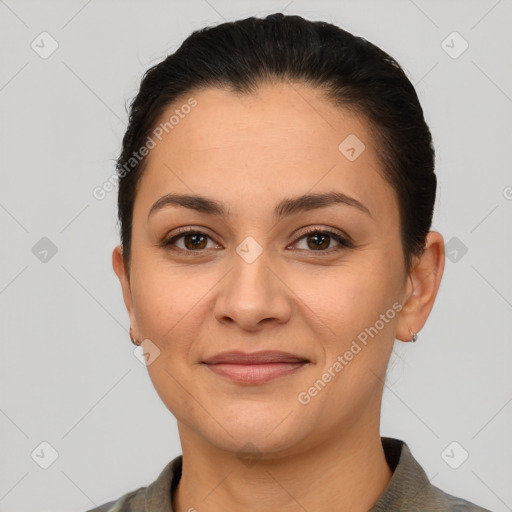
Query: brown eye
(321, 241)
(193, 241)
(318, 241)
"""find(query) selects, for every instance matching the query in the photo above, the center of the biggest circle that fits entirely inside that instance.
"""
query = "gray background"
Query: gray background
(68, 375)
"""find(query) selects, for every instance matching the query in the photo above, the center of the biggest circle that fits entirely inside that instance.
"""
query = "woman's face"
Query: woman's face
(254, 280)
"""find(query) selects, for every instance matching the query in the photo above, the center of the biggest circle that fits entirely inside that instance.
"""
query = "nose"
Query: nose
(253, 295)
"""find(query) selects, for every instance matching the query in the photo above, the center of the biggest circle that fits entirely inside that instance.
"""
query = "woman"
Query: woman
(276, 191)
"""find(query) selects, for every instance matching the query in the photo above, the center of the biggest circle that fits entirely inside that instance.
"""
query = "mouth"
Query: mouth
(255, 368)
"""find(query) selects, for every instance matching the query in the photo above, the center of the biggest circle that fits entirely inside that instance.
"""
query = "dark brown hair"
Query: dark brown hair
(352, 72)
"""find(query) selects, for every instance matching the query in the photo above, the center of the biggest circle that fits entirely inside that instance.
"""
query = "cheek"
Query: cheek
(359, 305)
(166, 301)
(159, 289)
(167, 305)
(352, 298)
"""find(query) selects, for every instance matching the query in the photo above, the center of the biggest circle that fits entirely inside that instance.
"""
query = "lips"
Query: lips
(254, 368)
(264, 357)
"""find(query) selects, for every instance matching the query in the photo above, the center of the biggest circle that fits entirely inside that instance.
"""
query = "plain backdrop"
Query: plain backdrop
(72, 394)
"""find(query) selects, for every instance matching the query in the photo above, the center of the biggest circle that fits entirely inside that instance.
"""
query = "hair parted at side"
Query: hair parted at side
(351, 71)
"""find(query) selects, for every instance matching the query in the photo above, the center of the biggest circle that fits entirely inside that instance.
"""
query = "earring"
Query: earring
(414, 336)
(134, 341)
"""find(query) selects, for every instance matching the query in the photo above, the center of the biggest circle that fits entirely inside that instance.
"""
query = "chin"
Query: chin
(256, 443)
(251, 432)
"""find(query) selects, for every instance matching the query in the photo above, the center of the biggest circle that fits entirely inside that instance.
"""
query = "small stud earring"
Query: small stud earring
(414, 336)
(134, 341)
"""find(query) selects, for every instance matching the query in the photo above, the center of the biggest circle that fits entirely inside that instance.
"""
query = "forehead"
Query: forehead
(285, 139)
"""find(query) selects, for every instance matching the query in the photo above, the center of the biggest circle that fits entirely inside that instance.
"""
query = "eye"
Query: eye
(193, 241)
(319, 240)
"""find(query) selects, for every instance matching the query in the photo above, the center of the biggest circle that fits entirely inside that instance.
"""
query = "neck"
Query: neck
(346, 472)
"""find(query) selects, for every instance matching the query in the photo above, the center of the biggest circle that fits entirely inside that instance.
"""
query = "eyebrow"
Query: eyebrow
(284, 208)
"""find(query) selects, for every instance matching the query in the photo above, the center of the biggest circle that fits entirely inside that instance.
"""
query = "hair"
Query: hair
(349, 70)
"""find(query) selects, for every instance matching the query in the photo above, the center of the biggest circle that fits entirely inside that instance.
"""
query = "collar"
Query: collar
(409, 481)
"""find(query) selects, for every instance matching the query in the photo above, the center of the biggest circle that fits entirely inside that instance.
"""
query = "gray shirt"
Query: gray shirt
(409, 489)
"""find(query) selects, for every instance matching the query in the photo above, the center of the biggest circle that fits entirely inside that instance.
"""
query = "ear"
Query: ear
(422, 285)
(124, 278)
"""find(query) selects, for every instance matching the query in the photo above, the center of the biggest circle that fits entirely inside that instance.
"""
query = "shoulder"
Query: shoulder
(154, 497)
(452, 503)
(130, 502)
(410, 487)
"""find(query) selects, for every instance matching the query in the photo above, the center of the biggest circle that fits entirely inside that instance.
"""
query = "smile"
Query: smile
(256, 367)
(255, 373)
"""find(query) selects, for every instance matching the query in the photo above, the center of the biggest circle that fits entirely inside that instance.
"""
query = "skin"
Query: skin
(249, 152)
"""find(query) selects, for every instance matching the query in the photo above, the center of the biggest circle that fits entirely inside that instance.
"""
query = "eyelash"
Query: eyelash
(344, 242)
